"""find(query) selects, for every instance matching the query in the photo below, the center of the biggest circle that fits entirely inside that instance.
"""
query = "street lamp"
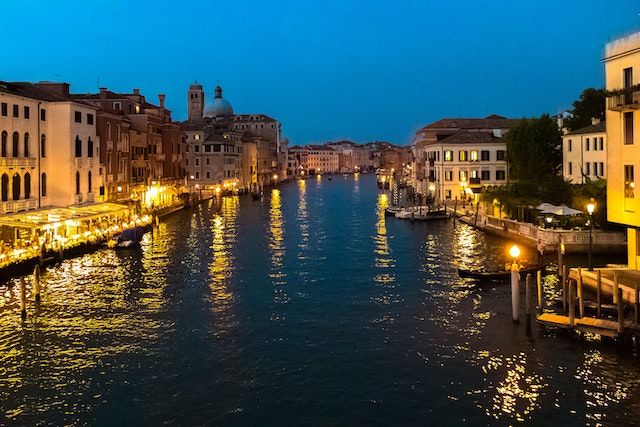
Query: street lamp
(549, 219)
(591, 207)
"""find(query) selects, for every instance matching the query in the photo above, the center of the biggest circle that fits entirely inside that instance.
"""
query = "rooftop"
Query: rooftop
(493, 121)
(597, 128)
(466, 137)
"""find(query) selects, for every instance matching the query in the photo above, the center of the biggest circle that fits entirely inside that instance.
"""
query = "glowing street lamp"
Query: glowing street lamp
(514, 252)
(591, 207)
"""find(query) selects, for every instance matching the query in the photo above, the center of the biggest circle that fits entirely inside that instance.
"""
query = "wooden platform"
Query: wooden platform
(592, 325)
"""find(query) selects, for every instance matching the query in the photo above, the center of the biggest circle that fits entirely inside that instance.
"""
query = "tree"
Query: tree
(591, 104)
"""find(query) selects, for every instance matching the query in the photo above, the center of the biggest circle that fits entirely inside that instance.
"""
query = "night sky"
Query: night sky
(364, 70)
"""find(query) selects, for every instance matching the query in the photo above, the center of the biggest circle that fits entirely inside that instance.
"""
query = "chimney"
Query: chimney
(497, 133)
(59, 88)
(161, 98)
(595, 120)
(136, 91)
(103, 93)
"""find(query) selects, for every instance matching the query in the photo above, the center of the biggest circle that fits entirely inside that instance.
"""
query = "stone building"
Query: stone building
(584, 154)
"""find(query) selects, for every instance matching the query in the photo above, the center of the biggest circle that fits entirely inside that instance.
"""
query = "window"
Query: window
(89, 119)
(5, 187)
(43, 184)
(78, 117)
(448, 175)
(43, 151)
(208, 162)
(216, 148)
(196, 136)
(485, 175)
(629, 183)
(117, 106)
(89, 147)
(207, 148)
(500, 175)
(26, 145)
(474, 174)
(447, 194)
(602, 169)
(4, 113)
(601, 143)
(462, 155)
(197, 162)
(570, 147)
(570, 167)
(89, 189)
(586, 144)
(3, 149)
(462, 175)
(77, 182)
(186, 162)
(197, 148)
(208, 175)
(26, 112)
(16, 109)
(448, 156)
(43, 115)
(628, 128)
(484, 155)
(15, 184)
(197, 175)
(78, 147)
(587, 168)
(500, 155)
(473, 155)
(16, 144)
(27, 185)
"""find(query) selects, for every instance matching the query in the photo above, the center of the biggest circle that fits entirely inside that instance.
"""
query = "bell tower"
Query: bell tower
(195, 102)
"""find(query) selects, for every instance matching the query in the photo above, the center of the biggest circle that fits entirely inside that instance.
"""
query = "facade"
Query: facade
(315, 159)
(454, 155)
(584, 154)
(622, 79)
(50, 149)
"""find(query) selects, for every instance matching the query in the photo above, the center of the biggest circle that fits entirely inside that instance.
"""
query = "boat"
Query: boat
(129, 238)
(392, 210)
(497, 276)
(422, 213)
(329, 178)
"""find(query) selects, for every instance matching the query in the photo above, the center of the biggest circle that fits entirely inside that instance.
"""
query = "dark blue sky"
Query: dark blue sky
(366, 70)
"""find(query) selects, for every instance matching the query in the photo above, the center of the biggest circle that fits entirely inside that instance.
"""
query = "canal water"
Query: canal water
(309, 307)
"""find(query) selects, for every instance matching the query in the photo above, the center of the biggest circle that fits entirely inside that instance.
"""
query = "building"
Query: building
(584, 154)
(452, 157)
(49, 147)
(622, 71)
(315, 159)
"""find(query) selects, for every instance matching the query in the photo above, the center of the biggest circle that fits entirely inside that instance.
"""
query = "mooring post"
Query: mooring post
(565, 291)
(515, 292)
(580, 298)
(620, 310)
(616, 286)
(572, 305)
(23, 299)
(599, 293)
(560, 256)
(540, 292)
(527, 303)
(36, 282)
(635, 305)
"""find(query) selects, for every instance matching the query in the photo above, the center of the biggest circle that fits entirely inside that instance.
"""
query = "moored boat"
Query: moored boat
(497, 276)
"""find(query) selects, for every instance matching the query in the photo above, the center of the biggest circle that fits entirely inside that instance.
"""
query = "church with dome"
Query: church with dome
(219, 144)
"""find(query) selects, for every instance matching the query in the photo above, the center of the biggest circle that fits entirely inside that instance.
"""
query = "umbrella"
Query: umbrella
(562, 210)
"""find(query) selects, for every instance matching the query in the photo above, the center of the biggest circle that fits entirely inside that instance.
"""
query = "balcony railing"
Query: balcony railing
(627, 100)
(18, 162)
(18, 205)
(84, 162)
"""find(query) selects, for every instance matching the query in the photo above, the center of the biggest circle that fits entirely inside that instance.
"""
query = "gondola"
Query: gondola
(497, 276)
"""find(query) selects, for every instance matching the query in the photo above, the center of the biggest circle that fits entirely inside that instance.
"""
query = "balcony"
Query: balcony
(110, 178)
(627, 99)
(84, 162)
(13, 162)
(90, 198)
(120, 177)
(18, 205)
(109, 145)
(79, 198)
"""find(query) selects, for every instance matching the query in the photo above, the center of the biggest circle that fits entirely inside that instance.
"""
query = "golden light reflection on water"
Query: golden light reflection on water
(276, 246)
(303, 217)
(223, 228)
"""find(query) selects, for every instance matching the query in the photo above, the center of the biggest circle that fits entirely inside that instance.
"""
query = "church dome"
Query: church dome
(220, 106)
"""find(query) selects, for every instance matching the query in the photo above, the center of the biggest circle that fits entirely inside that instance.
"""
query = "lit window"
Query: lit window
(629, 183)
(448, 156)
(473, 155)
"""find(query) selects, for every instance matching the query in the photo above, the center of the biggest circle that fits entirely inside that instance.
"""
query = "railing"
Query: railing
(82, 162)
(19, 205)
(90, 198)
(18, 161)
(629, 100)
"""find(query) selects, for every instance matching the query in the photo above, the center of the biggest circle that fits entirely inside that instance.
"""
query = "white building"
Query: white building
(584, 154)
(316, 159)
(49, 149)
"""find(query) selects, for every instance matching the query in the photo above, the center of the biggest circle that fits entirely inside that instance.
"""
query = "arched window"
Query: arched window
(90, 147)
(78, 147)
(4, 143)
(108, 131)
(16, 144)
(77, 182)
(26, 145)
(43, 146)
(43, 183)
(89, 182)
(5, 187)
(27, 185)
(15, 184)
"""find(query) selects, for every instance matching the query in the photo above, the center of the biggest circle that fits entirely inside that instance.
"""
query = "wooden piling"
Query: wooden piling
(572, 306)
(616, 286)
(23, 299)
(635, 305)
(540, 292)
(527, 304)
(36, 283)
(515, 293)
(565, 290)
(560, 257)
(620, 310)
(599, 293)
(580, 297)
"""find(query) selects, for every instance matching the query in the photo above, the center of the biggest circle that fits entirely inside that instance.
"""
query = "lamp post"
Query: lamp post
(514, 252)
(591, 207)
(549, 219)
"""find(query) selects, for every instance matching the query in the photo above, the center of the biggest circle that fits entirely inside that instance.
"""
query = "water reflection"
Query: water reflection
(303, 217)
(223, 230)
(276, 246)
